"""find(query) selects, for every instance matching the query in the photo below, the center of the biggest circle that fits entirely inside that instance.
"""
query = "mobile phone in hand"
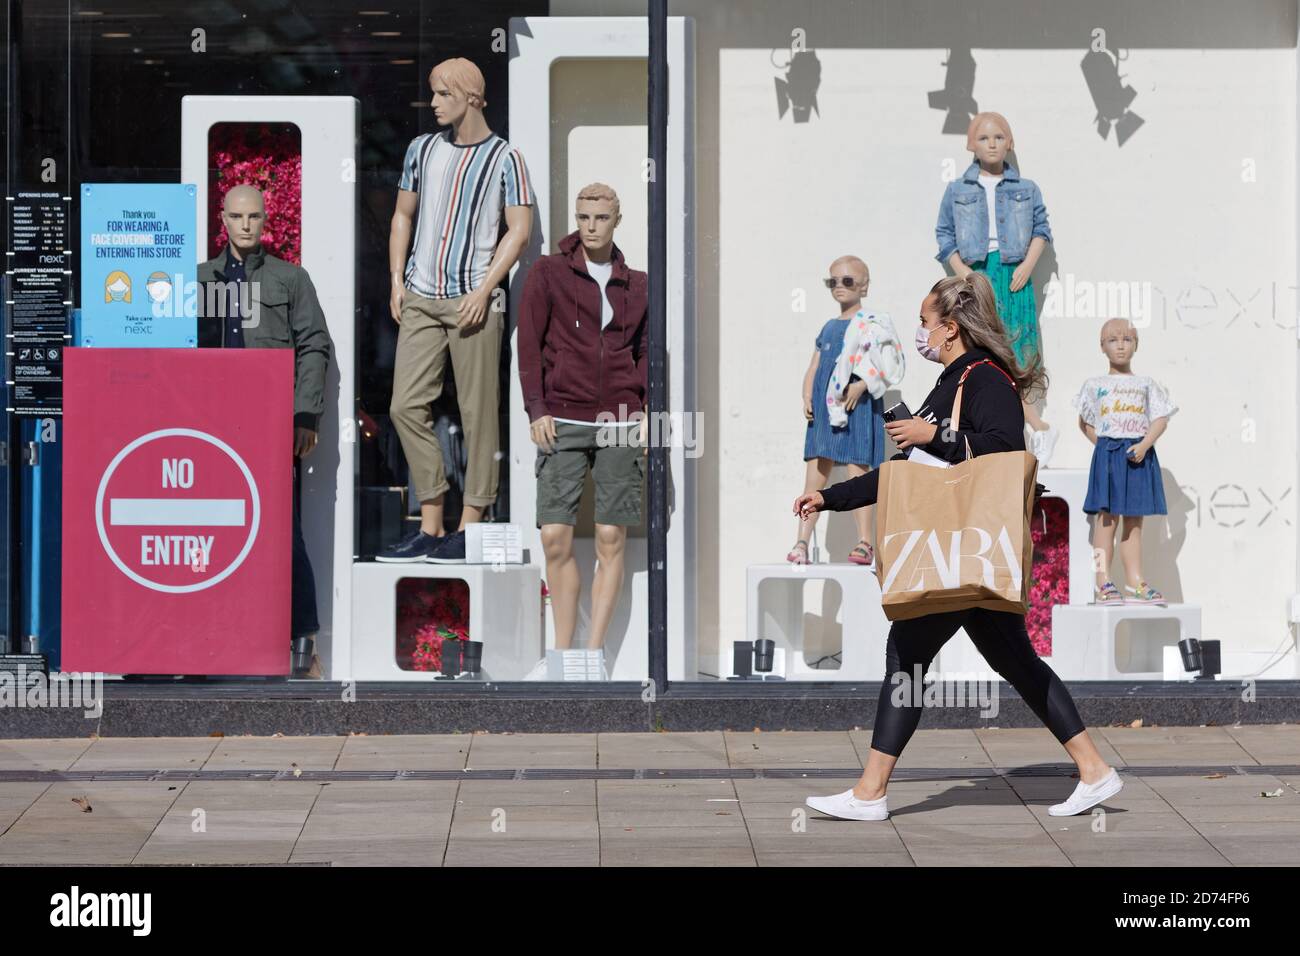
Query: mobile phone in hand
(896, 413)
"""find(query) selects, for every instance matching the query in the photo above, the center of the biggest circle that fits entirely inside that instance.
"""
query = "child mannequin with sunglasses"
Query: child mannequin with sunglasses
(857, 357)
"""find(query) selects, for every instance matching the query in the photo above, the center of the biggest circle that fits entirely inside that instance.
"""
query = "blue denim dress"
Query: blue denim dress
(862, 440)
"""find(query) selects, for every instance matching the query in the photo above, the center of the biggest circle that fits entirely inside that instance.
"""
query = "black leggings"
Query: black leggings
(998, 635)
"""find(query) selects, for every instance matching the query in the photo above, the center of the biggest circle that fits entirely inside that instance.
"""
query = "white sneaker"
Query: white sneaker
(848, 807)
(538, 672)
(1088, 795)
(1044, 444)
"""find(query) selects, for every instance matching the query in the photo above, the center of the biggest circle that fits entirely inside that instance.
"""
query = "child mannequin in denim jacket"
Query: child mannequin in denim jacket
(1004, 239)
(858, 356)
(1123, 414)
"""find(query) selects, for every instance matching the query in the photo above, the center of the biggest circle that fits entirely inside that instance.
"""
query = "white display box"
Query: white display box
(1086, 644)
(505, 614)
(329, 127)
(775, 611)
(1071, 486)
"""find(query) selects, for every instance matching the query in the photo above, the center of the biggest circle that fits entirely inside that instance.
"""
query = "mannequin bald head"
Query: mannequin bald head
(851, 296)
(244, 215)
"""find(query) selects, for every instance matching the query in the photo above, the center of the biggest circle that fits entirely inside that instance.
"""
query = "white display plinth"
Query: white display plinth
(1085, 645)
(1071, 486)
(959, 655)
(775, 611)
(566, 145)
(505, 613)
(329, 129)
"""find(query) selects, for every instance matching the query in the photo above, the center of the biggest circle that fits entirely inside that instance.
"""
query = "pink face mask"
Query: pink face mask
(923, 343)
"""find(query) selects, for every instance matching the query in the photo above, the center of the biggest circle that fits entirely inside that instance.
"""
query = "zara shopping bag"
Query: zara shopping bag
(948, 539)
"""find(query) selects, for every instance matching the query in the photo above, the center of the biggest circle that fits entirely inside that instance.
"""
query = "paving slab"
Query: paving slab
(491, 825)
(642, 855)
(402, 823)
(662, 751)
(984, 844)
(414, 752)
(791, 749)
(1268, 743)
(517, 793)
(514, 751)
(934, 748)
(1173, 746)
(55, 830)
(1247, 843)
(275, 753)
(674, 836)
(15, 798)
(663, 795)
(519, 852)
(824, 860)
(146, 753)
(1031, 746)
(37, 754)
(241, 822)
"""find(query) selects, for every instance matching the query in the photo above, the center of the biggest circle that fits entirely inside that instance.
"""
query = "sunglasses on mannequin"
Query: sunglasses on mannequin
(847, 281)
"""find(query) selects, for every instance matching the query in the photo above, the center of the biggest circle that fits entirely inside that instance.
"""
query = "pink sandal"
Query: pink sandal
(863, 553)
(799, 553)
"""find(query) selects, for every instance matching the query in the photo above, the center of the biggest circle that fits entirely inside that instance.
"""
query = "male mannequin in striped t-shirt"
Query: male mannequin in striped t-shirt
(456, 187)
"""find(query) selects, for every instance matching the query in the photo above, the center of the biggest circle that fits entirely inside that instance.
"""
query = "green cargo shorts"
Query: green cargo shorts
(617, 464)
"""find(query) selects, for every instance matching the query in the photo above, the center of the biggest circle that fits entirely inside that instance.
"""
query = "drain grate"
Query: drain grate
(579, 773)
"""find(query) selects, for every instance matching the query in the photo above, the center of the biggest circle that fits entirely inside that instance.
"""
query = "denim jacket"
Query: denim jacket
(964, 217)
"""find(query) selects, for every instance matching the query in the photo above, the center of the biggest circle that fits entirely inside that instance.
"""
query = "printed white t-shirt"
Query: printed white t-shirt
(1123, 406)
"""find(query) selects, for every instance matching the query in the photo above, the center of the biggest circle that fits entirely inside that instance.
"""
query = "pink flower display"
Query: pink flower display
(429, 612)
(1049, 582)
(269, 158)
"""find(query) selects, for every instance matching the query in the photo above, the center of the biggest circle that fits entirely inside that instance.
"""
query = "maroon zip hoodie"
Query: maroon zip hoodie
(568, 366)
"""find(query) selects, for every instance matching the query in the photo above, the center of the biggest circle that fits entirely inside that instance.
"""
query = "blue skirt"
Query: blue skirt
(1118, 486)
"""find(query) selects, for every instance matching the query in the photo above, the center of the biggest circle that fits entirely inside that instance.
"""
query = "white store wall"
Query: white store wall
(1200, 204)
(866, 179)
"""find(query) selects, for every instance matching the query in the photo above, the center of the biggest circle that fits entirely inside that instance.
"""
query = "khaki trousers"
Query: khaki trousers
(427, 334)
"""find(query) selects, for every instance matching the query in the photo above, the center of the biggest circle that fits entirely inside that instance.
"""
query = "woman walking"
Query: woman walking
(960, 330)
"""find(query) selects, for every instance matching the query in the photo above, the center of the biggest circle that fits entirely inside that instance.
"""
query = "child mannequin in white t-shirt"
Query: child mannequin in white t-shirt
(1123, 414)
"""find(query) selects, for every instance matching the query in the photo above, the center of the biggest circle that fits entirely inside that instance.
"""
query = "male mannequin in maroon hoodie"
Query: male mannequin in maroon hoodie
(582, 367)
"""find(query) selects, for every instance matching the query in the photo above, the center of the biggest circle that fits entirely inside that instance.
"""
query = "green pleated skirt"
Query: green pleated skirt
(1016, 309)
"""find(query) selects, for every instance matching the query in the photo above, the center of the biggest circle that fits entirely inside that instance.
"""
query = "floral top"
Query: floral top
(872, 351)
(1123, 406)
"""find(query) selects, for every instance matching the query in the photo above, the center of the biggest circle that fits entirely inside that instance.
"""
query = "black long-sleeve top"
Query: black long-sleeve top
(992, 420)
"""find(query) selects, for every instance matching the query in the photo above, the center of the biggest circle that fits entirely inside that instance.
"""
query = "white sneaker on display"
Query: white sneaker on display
(538, 672)
(846, 806)
(1044, 443)
(1088, 795)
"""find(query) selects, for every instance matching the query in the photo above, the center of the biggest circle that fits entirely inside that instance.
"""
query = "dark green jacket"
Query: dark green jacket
(288, 315)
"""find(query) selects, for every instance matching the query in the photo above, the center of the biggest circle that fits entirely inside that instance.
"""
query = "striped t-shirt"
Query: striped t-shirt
(463, 193)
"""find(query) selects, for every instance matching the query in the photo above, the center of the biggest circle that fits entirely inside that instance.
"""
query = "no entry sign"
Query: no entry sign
(176, 510)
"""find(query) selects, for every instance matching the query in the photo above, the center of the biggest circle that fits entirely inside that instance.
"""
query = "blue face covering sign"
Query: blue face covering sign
(138, 266)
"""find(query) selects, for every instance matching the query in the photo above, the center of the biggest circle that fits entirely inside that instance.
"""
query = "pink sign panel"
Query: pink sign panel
(176, 510)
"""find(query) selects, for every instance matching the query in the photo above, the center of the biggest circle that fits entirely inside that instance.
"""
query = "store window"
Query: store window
(324, 123)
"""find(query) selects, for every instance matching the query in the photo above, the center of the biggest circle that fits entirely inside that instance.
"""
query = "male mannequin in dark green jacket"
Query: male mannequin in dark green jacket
(250, 299)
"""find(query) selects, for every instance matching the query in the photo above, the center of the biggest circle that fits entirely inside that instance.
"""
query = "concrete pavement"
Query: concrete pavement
(1193, 796)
